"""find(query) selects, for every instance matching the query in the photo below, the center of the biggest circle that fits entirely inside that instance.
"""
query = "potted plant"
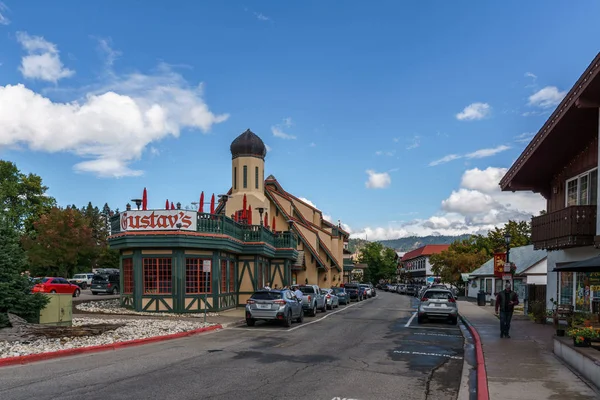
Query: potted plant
(582, 337)
(538, 312)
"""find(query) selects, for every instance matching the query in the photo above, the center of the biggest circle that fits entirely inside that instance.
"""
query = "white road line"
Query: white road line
(418, 353)
(433, 328)
(322, 318)
(410, 320)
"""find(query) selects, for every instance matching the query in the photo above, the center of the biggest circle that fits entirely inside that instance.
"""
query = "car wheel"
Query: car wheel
(94, 293)
(454, 321)
(76, 293)
(324, 309)
(53, 291)
(300, 317)
(84, 286)
(115, 291)
(314, 310)
(250, 321)
(287, 322)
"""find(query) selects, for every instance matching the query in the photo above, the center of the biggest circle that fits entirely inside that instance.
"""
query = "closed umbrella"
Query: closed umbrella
(144, 199)
(167, 205)
(273, 224)
(249, 214)
(212, 204)
(172, 206)
(201, 205)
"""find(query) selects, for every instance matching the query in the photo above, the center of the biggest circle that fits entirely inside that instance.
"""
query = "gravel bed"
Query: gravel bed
(113, 306)
(134, 329)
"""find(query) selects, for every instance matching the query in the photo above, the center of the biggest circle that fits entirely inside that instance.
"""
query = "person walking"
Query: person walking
(298, 293)
(506, 301)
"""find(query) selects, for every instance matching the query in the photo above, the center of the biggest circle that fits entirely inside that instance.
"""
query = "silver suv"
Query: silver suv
(438, 303)
(274, 305)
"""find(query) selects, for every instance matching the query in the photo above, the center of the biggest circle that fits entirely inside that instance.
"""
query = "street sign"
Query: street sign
(206, 264)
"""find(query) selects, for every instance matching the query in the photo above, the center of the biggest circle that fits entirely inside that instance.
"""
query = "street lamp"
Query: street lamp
(138, 202)
(507, 239)
(261, 210)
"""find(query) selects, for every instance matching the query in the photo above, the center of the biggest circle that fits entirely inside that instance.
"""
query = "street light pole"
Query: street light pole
(507, 239)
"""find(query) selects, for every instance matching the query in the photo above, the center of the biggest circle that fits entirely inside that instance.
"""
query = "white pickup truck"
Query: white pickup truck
(82, 280)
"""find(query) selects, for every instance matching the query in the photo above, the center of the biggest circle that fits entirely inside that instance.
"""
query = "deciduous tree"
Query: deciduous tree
(382, 262)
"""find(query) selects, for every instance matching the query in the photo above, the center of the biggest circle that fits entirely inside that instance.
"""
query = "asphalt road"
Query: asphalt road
(368, 350)
(87, 295)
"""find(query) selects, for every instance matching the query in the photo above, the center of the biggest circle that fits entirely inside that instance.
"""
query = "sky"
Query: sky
(394, 117)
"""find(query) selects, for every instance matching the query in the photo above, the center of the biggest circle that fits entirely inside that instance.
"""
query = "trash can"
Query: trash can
(481, 298)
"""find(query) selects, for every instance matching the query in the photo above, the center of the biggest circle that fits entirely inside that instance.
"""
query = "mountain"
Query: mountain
(407, 243)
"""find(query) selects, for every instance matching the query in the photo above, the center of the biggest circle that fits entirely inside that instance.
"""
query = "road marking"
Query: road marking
(410, 320)
(322, 318)
(343, 398)
(436, 334)
(434, 328)
(418, 353)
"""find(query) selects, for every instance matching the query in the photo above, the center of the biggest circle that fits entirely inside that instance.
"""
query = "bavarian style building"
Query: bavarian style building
(175, 260)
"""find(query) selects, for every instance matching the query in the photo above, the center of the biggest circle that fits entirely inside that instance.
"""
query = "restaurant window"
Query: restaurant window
(224, 281)
(127, 275)
(231, 276)
(256, 177)
(245, 176)
(566, 288)
(157, 275)
(196, 280)
(583, 189)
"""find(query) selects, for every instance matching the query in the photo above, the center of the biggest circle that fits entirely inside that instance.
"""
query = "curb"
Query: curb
(482, 383)
(95, 349)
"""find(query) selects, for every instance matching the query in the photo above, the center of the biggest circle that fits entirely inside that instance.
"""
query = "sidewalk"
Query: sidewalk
(524, 366)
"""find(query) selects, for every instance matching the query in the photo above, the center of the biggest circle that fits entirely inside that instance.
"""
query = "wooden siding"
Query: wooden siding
(587, 159)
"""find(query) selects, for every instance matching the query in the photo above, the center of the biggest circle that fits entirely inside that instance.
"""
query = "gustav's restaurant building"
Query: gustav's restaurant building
(175, 260)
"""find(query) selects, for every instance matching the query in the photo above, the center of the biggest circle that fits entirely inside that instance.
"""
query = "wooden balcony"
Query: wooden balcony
(573, 226)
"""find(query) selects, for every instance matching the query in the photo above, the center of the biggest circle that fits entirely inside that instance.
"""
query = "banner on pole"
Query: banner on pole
(499, 260)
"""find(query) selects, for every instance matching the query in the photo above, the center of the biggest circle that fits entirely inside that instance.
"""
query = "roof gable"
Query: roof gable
(426, 250)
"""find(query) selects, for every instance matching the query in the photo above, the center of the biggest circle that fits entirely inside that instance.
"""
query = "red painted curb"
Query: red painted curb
(482, 383)
(94, 349)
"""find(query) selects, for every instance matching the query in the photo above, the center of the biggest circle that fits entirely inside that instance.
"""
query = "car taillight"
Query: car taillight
(328, 296)
(250, 302)
(451, 300)
(280, 302)
(108, 285)
(424, 299)
(308, 298)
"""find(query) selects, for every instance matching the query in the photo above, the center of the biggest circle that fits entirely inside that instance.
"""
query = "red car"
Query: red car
(56, 285)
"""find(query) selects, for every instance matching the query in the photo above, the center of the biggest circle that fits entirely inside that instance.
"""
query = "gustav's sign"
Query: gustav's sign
(158, 220)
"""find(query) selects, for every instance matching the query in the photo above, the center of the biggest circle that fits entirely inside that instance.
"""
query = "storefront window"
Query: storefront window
(157, 275)
(196, 280)
(586, 285)
(127, 276)
(566, 288)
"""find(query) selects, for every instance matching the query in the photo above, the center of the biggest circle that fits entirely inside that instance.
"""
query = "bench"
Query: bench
(563, 312)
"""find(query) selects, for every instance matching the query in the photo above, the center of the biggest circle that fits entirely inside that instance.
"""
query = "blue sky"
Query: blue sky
(397, 118)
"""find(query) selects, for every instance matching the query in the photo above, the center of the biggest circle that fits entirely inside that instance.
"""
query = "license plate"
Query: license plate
(263, 306)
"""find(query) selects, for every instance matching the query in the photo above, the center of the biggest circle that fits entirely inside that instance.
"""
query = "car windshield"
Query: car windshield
(266, 296)
(80, 277)
(437, 294)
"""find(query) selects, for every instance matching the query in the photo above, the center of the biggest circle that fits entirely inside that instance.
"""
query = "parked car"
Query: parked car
(82, 280)
(331, 300)
(277, 305)
(438, 303)
(368, 290)
(401, 289)
(411, 290)
(313, 299)
(354, 291)
(106, 283)
(56, 285)
(342, 295)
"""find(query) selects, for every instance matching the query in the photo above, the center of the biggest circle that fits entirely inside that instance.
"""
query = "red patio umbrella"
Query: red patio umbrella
(167, 204)
(144, 199)
(273, 224)
(201, 205)
(244, 203)
(172, 206)
(249, 214)
(212, 204)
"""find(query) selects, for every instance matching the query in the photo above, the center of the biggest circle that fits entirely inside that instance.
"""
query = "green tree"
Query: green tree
(22, 197)
(382, 262)
(15, 288)
(62, 243)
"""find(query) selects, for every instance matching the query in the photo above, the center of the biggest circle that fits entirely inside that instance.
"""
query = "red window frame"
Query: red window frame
(231, 276)
(197, 281)
(157, 275)
(224, 288)
(128, 276)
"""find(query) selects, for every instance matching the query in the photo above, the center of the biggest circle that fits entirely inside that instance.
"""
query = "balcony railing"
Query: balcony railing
(572, 226)
(221, 225)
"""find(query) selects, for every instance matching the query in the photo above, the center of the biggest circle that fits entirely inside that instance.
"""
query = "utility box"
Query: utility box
(59, 311)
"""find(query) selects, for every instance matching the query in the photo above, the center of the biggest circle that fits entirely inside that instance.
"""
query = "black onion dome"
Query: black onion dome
(248, 144)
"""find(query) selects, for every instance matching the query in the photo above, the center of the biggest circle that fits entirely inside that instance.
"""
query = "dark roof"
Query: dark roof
(248, 144)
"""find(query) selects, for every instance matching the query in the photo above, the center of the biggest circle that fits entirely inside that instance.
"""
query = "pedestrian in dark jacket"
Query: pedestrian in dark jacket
(506, 301)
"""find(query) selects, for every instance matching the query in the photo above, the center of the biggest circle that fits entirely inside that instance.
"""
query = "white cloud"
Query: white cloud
(524, 137)
(154, 151)
(313, 144)
(385, 153)
(547, 97)
(110, 54)
(378, 180)
(530, 75)
(474, 111)
(481, 153)
(414, 143)
(3, 19)
(110, 125)
(42, 60)
(277, 130)
(268, 148)
(307, 201)
(477, 206)
(261, 16)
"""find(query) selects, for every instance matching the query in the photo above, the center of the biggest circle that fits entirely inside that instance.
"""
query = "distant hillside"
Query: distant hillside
(407, 243)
